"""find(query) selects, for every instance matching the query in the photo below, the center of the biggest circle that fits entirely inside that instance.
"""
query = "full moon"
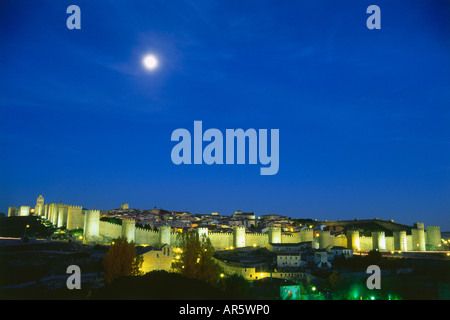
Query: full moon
(150, 62)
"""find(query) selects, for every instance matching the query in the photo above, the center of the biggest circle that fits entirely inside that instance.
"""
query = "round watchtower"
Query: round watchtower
(91, 225)
(239, 237)
(353, 240)
(164, 235)
(434, 236)
(400, 241)
(274, 235)
(378, 240)
(62, 216)
(129, 230)
(324, 239)
(418, 240)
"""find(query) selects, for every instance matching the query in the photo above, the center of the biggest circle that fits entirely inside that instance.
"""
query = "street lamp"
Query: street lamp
(25, 234)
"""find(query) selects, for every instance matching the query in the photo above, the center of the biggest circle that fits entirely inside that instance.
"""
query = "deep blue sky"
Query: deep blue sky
(363, 114)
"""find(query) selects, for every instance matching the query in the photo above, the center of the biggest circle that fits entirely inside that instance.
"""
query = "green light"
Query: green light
(372, 298)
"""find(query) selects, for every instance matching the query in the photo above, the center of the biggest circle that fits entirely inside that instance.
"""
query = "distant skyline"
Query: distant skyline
(363, 115)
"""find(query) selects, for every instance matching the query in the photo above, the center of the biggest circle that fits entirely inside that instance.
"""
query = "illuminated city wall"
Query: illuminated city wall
(75, 218)
(239, 238)
(324, 239)
(339, 241)
(433, 236)
(389, 243)
(144, 236)
(306, 235)
(274, 235)
(110, 230)
(260, 239)
(221, 240)
(287, 238)
(92, 225)
(418, 239)
(129, 230)
(365, 243)
(62, 216)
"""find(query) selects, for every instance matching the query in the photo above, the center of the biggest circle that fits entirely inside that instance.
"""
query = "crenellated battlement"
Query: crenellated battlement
(109, 223)
(146, 230)
(220, 233)
(256, 234)
(288, 236)
(238, 237)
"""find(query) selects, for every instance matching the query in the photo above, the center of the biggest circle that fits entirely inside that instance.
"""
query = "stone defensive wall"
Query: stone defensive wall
(96, 229)
(256, 239)
(173, 238)
(363, 235)
(287, 238)
(75, 218)
(145, 236)
(221, 240)
(338, 241)
(110, 230)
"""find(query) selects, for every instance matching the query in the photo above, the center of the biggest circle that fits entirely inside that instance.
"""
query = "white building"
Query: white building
(341, 251)
(287, 260)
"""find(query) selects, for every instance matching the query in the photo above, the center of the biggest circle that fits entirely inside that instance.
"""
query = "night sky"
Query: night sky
(363, 114)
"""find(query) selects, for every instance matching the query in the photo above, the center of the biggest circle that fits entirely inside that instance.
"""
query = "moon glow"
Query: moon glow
(150, 62)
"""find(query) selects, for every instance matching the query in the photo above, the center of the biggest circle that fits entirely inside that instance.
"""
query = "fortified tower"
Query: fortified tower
(239, 236)
(324, 239)
(400, 241)
(91, 225)
(164, 235)
(353, 240)
(378, 240)
(274, 235)
(62, 215)
(129, 230)
(45, 214)
(418, 237)
(434, 236)
(54, 208)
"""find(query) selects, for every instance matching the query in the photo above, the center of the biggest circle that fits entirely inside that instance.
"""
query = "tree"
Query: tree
(236, 286)
(121, 260)
(333, 280)
(374, 257)
(196, 259)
